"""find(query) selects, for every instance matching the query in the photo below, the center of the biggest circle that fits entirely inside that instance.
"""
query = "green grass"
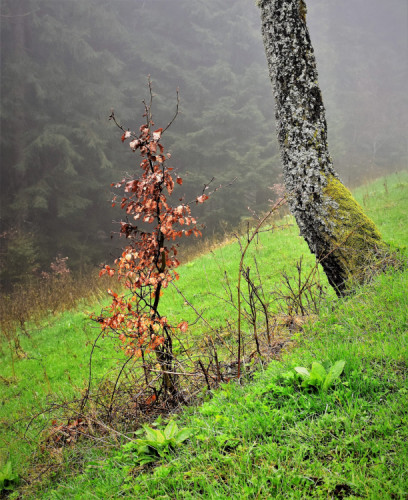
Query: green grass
(386, 202)
(276, 444)
(203, 279)
(268, 439)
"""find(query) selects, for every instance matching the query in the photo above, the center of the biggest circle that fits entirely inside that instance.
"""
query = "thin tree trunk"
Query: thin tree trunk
(331, 221)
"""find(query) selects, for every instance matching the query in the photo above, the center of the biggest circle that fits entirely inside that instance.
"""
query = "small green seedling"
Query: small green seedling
(8, 479)
(157, 443)
(318, 376)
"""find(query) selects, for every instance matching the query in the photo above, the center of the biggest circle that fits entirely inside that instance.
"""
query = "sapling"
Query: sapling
(149, 259)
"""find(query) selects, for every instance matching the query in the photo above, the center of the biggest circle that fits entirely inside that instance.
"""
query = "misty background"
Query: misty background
(64, 65)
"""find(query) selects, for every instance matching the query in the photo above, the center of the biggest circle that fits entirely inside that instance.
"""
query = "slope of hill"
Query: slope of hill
(273, 438)
(267, 437)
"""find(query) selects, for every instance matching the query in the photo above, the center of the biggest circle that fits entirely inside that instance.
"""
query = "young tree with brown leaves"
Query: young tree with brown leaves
(148, 261)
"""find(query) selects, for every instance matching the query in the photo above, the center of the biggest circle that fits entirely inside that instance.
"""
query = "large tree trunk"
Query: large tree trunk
(334, 225)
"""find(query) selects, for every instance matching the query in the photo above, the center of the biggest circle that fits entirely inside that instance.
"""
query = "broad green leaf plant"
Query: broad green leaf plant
(318, 376)
(156, 443)
(8, 479)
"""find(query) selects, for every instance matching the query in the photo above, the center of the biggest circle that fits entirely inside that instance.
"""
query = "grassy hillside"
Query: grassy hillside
(274, 439)
(261, 439)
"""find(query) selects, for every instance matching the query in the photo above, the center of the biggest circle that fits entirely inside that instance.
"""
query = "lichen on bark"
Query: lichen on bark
(331, 221)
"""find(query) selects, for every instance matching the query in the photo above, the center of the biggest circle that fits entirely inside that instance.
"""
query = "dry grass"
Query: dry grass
(33, 301)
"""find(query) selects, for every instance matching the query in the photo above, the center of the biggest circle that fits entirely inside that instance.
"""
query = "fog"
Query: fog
(362, 57)
(64, 65)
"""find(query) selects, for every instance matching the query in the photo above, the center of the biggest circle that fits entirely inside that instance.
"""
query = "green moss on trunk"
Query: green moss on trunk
(354, 240)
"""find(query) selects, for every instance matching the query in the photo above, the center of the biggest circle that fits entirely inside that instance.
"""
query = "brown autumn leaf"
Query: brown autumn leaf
(157, 134)
(183, 326)
(202, 198)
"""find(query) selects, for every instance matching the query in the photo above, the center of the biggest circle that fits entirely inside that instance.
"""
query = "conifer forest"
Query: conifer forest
(66, 65)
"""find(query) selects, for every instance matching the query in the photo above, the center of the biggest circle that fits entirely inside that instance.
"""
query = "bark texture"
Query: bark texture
(334, 225)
